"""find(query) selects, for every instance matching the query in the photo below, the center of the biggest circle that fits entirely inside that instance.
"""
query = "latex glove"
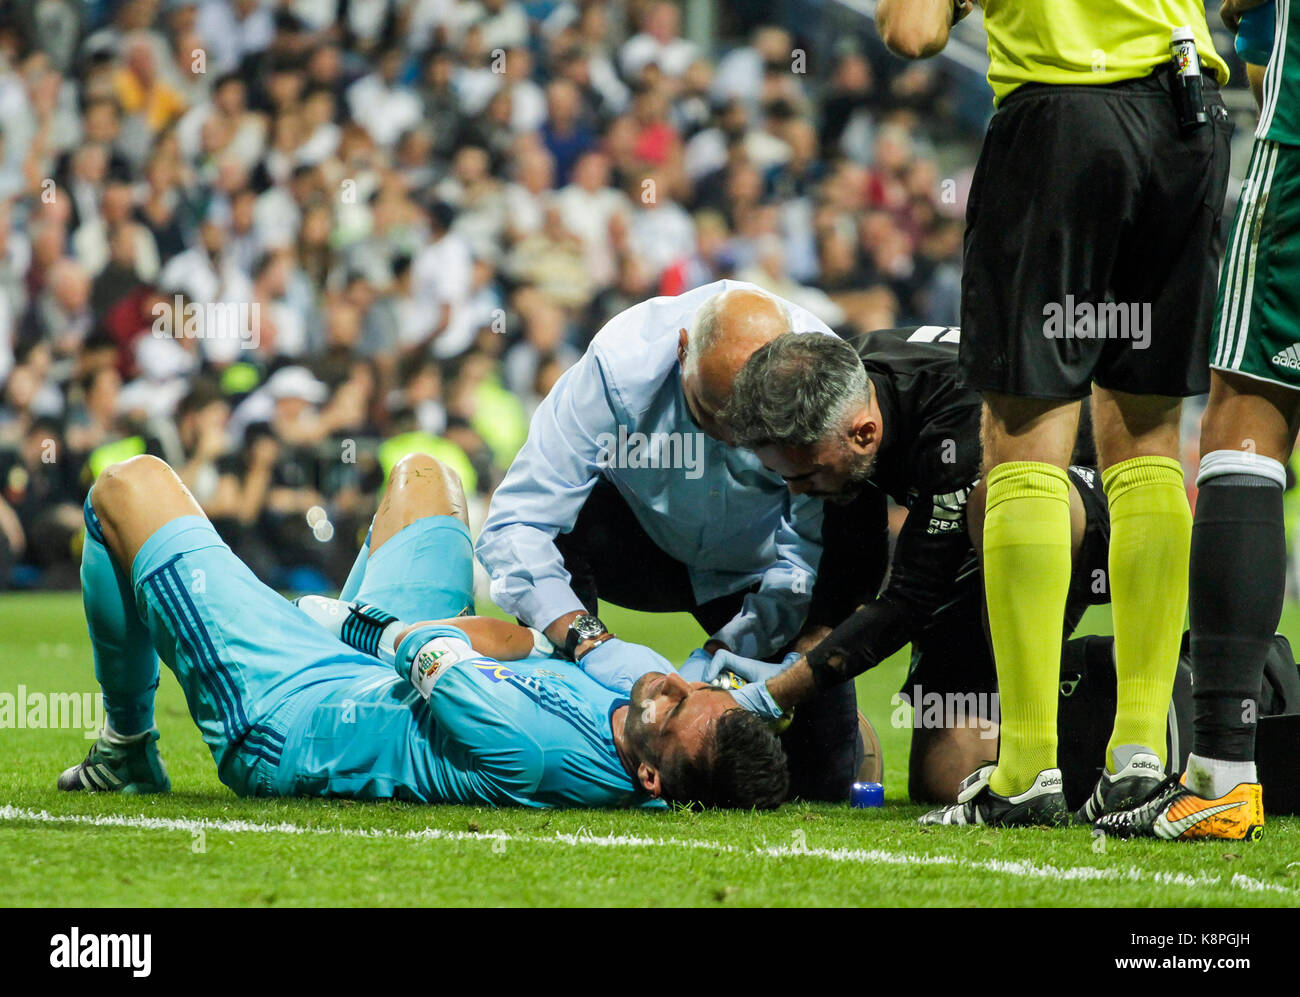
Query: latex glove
(617, 664)
(749, 669)
(695, 666)
(755, 698)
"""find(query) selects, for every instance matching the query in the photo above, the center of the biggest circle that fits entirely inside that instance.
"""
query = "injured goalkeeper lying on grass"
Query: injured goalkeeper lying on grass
(464, 710)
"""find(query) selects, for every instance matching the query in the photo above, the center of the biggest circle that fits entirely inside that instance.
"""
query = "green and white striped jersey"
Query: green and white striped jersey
(1279, 115)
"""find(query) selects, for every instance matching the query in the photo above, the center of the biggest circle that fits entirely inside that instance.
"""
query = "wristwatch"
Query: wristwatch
(584, 627)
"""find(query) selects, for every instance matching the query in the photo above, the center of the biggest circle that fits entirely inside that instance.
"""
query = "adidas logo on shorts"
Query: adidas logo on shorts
(1289, 358)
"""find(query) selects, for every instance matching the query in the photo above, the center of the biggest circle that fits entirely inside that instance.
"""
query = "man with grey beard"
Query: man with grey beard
(884, 417)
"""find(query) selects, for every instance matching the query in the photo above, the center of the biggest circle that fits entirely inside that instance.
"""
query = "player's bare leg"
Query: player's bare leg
(136, 498)
(419, 486)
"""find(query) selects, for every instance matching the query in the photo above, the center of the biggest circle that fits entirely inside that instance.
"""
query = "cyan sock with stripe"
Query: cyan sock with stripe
(126, 663)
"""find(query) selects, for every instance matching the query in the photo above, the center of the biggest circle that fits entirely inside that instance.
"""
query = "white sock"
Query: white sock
(388, 642)
(1213, 777)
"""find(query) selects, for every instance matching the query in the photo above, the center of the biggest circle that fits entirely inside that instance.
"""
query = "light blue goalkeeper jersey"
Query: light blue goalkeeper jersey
(532, 733)
(288, 709)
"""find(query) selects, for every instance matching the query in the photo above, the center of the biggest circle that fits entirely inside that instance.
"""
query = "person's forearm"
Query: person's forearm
(1230, 11)
(769, 618)
(813, 634)
(914, 29)
(856, 645)
(557, 631)
(793, 685)
(490, 637)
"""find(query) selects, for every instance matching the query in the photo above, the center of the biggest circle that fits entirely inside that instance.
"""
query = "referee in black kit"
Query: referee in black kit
(1091, 257)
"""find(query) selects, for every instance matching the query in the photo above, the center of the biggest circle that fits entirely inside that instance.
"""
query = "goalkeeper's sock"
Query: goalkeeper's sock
(1150, 538)
(126, 663)
(1026, 579)
(358, 573)
(1238, 579)
(367, 628)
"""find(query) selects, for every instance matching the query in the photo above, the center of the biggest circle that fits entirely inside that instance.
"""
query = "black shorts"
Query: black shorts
(952, 655)
(1093, 237)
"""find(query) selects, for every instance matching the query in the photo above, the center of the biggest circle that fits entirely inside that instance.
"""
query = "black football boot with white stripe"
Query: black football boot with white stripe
(1128, 787)
(133, 766)
(1041, 805)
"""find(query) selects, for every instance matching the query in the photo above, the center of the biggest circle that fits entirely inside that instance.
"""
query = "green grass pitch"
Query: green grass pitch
(202, 846)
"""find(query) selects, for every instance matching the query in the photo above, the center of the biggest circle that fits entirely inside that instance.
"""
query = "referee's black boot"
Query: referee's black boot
(1041, 805)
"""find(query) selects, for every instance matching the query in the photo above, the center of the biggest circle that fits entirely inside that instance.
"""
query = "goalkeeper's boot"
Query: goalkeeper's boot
(115, 766)
(1042, 804)
(1125, 789)
(1173, 812)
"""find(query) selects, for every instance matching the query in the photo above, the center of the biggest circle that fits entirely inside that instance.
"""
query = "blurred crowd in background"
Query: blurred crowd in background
(432, 205)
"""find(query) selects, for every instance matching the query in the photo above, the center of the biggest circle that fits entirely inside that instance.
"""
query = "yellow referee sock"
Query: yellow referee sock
(1026, 579)
(1150, 550)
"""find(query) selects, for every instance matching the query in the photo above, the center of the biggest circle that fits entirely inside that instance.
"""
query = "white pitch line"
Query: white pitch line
(1023, 869)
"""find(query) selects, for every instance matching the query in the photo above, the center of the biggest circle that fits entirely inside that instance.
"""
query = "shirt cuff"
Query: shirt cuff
(544, 603)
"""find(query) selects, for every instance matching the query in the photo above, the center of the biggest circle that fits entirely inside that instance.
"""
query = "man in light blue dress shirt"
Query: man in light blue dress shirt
(627, 490)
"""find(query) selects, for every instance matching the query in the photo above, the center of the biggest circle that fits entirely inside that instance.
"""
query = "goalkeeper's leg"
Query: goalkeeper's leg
(244, 657)
(124, 758)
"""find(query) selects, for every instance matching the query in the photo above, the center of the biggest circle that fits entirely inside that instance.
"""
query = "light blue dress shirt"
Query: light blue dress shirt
(713, 507)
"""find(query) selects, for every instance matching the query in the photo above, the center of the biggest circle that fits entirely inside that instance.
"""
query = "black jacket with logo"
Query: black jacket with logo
(928, 463)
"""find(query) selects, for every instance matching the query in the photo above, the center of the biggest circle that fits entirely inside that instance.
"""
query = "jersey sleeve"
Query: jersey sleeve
(490, 753)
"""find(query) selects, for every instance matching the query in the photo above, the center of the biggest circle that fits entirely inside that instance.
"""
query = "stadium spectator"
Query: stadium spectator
(434, 207)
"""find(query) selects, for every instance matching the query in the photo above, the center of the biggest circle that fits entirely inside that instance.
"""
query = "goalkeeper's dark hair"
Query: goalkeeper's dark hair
(743, 768)
(795, 391)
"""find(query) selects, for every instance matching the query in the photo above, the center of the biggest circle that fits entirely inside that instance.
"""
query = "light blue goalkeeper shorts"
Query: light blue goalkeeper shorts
(248, 660)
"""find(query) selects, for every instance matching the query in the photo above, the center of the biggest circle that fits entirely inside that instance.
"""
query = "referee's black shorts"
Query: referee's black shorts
(1087, 196)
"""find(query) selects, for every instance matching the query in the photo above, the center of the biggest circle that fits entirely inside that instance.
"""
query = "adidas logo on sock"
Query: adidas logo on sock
(1290, 357)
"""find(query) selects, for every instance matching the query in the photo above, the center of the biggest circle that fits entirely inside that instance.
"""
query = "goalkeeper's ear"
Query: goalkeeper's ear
(648, 778)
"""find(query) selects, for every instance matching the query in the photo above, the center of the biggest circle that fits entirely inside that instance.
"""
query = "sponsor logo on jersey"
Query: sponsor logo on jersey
(948, 511)
(936, 334)
(1288, 358)
(495, 671)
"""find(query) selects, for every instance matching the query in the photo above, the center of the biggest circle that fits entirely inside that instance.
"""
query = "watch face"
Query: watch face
(587, 626)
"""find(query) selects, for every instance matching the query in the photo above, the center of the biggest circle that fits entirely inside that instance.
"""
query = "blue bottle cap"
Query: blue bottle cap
(867, 794)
